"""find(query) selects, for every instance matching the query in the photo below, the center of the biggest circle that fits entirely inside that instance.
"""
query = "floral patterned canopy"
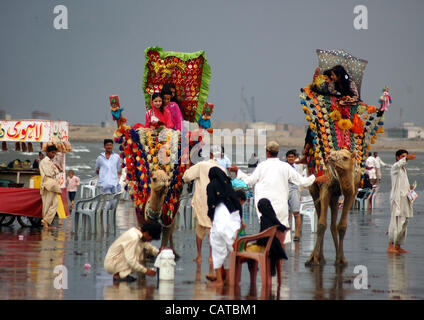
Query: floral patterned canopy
(190, 72)
(354, 66)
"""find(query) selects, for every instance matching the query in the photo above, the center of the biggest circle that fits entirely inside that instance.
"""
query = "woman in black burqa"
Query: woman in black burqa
(220, 190)
(225, 212)
(269, 219)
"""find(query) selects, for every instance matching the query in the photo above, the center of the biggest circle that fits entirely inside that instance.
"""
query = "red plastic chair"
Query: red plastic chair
(237, 257)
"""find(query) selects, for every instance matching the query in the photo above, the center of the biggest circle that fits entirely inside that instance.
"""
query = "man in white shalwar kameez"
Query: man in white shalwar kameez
(271, 180)
(49, 187)
(199, 173)
(378, 164)
(400, 205)
(370, 165)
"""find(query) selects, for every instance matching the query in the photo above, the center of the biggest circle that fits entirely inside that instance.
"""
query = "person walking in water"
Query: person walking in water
(400, 205)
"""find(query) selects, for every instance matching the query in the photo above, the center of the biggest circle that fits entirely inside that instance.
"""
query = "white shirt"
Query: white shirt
(399, 203)
(371, 162)
(200, 173)
(293, 186)
(224, 162)
(271, 180)
(109, 168)
(379, 162)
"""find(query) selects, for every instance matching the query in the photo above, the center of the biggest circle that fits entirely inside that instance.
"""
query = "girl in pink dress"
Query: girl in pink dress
(158, 115)
(72, 183)
(173, 108)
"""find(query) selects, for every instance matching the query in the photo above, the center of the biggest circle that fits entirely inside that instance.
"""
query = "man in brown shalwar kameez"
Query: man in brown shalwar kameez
(49, 186)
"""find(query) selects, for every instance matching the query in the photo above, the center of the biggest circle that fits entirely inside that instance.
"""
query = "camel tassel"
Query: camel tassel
(30, 147)
(17, 146)
(24, 147)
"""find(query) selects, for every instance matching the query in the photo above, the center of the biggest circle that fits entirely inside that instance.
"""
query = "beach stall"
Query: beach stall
(19, 182)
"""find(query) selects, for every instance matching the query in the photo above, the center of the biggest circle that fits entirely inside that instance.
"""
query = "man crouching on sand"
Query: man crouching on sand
(126, 253)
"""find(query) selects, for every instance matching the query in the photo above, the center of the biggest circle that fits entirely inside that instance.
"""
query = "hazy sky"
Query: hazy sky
(266, 46)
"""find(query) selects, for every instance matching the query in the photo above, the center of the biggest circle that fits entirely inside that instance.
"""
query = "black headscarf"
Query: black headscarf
(268, 220)
(220, 190)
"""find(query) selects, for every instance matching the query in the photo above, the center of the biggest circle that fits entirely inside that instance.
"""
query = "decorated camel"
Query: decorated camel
(156, 158)
(345, 177)
(342, 129)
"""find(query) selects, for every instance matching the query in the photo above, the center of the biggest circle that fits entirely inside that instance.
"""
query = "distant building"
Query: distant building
(407, 131)
(4, 115)
(290, 130)
(40, 115)
(262, 125)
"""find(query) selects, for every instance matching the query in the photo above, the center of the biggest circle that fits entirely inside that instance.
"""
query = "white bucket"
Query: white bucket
(166, 264)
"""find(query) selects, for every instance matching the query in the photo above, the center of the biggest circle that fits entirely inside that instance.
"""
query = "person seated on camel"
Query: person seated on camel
(158, 117)
(340, 85)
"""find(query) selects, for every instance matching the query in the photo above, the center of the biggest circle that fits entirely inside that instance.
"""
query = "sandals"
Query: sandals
(211, 277)
(126, 279)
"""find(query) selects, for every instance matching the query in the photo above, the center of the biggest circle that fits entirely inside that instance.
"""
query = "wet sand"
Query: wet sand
(28, 258)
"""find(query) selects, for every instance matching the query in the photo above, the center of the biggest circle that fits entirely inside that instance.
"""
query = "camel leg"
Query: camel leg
(334, 207)
(171, 241)
(165, 236)
(317, 256)
(342, 226)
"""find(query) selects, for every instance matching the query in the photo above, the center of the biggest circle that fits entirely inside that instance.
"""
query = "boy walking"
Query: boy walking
(400, 205)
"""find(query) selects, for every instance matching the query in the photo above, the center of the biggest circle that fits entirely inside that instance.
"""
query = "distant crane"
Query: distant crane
(249, 105)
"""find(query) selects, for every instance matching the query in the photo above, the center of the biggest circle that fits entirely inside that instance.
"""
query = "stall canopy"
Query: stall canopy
(34, 131)
(43, 131)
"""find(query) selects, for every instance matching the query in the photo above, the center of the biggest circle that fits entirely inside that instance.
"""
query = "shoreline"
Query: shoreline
(80, 133)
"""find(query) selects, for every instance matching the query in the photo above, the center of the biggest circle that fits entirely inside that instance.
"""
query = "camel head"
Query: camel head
(342, 160)
(160, 182)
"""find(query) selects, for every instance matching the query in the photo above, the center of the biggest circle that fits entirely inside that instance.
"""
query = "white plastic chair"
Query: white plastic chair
(108, 214)
(87, 210)
(91, 186)
(369, 203)
(307, 208)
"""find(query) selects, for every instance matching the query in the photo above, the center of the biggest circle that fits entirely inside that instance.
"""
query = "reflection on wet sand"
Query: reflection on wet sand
(336, 291)
(398, 277)
(28, 258)
(27, 264)
(130, 291)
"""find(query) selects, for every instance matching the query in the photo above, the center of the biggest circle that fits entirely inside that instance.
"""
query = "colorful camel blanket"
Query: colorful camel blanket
(144, 151)
(338, 123)
(190, 72)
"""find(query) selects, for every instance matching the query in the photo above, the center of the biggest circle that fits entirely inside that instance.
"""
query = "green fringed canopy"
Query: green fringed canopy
(190, 72)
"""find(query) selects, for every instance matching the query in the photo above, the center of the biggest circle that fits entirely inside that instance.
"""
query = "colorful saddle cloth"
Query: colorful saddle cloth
(143, 151)
(338, 123)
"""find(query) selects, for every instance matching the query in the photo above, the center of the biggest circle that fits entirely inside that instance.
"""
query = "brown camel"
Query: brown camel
(345, 176)
(153, 211)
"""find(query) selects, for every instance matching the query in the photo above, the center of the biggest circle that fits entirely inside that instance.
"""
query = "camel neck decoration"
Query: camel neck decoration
(337, 125)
